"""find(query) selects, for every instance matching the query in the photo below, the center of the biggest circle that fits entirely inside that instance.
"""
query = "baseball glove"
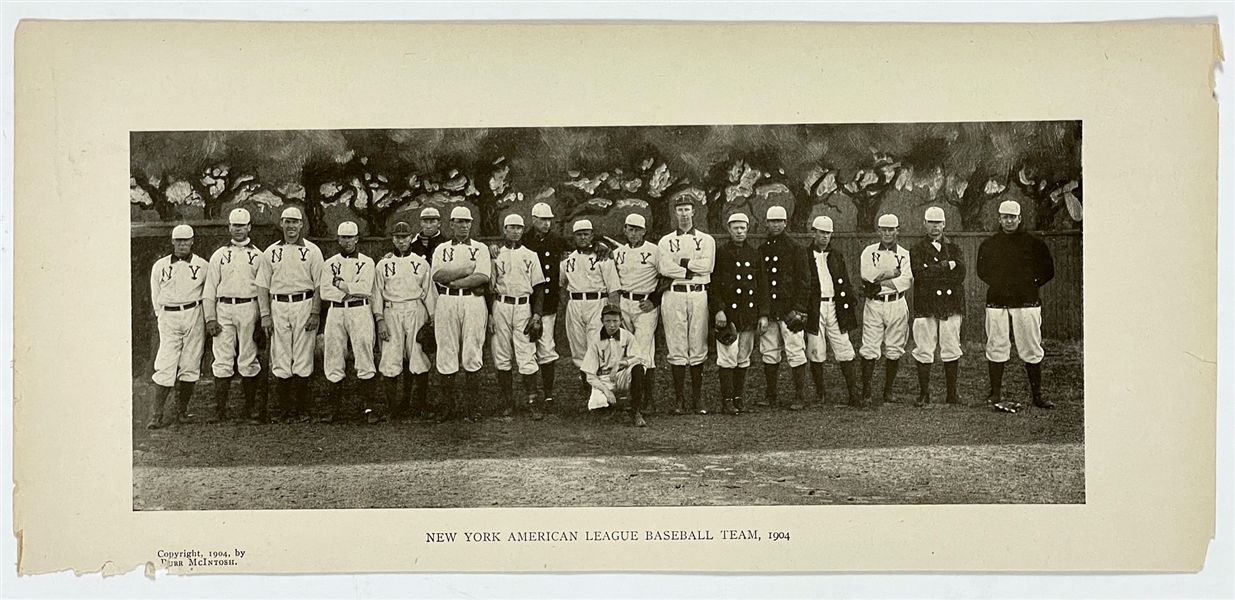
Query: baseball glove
(795, 321)
(426, 339)
(728, 334)
(533, 331)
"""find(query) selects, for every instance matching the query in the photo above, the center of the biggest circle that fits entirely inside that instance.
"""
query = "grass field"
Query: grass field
(828, 454)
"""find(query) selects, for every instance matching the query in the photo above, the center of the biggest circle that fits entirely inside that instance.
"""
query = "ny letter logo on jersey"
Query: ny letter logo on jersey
(473, 251)
(193, 271)
(501, 268)
(276, 255)
(389, 269)
(570, 265)
(336, 269)
(252, 257)
(527, 266)
(643, 257)
(448, 254)
(593, 260)
(227, 258)
(698, 245)
(304, 254)
(165, 275)
(359, 267)
(675, 245)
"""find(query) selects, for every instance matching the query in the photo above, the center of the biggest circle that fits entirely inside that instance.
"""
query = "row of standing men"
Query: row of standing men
(797, 301)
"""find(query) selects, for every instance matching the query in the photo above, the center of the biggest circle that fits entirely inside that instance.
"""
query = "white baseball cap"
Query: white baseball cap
(582, 225)
(430, 213)
(889, 220)
(934, 213)
(347, 228)
(542, 210)
(460, 213)
(238, 216)
(738, 218)
(513, 219)
(636, 220)
(1010, 207)
(182, 232)
(777, 213)
(291, 212)
(823, 223)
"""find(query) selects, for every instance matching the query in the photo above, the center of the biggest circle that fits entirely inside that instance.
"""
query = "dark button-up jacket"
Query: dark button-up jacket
(938, 291)
(842, 291)
(739, 285)
(784, 262)
(551, 249)
(425, 246)
(1014, 265)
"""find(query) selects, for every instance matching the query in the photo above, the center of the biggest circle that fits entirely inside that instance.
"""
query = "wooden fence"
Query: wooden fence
(1062, 298)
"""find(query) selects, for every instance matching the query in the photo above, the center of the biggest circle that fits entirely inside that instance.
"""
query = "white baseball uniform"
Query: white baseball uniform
(515, 272)
(885, 317)
(829, 328)
(600, 364)
(459, 324)
(348, 283)
(684, 307)
(291, 272)
(737, 354)
(638, 274)
(231, 299)
(176, 287)
(589, 279)
(1026, 328)
(408, 297)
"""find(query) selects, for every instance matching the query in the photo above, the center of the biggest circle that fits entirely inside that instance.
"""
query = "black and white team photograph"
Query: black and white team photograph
(705, 315)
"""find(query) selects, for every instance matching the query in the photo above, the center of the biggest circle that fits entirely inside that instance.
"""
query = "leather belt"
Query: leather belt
(181, 307)
(349, 303)
(586, 295)
(297, 297)
(690, 287)
(636, 297)
(236, 300)
(890, 297)
(515, 299)
(449, 291)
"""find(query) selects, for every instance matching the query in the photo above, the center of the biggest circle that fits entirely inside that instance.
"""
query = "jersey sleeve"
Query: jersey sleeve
(316, 264)
(210, 291)
(609, 274)
(905, 281)
(154, 286)
(591, 359)
(665, 263)
(538, 274)
(430, 290)
(264, 271)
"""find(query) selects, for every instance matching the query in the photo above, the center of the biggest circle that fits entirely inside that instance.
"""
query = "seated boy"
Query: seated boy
(610, 368)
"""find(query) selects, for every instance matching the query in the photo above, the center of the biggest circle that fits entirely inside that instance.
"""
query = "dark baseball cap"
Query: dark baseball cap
(401, 228)
(610, 309)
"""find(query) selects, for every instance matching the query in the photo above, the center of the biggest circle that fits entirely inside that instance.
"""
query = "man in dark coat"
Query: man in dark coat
(1014, 264)
(740, 297)
(831, 312)
(784, 262)
(938, 305)
(550, 248)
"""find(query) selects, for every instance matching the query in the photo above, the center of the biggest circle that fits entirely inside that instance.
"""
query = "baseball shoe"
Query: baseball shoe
(1041, 402)
(639, 422)
(795, 406)
(154, 423)
(371, 417)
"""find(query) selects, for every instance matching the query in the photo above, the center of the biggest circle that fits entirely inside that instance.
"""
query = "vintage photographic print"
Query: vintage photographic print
(778, 314)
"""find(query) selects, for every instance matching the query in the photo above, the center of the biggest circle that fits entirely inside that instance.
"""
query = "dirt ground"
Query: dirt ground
(827, 454)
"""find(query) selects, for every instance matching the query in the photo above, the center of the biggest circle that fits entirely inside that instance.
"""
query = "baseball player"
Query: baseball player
(230, 304)
(430, 236)
(832, 311)
(550, 248)
(612, 368)
(518, 302)
(887, 274)
(1014, 264)
(687, 257)
(637, 263)
(348, 283)
(589, 282)
(287, 278)
(938, 305)
(740, 298)
(408, 299)
(461, 269)
(784, 262)
(176, 284)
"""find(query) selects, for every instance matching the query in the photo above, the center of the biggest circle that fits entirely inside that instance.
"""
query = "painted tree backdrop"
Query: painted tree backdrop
(852, 172)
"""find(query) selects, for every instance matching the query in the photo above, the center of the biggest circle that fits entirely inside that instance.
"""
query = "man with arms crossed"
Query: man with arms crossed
(408, 298)
(589, 283)
(290, 310)
(938, 305)
(637, 266)
(348, 283)
(1014, 264)
(887, 274)
(461, 270)
(230, 304)
(176, 283)
(687, 256)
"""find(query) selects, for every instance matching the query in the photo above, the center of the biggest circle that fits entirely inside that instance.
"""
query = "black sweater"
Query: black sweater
(1014, 265)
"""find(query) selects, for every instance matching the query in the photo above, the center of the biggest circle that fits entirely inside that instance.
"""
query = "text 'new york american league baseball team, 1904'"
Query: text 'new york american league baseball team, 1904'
(621, 535)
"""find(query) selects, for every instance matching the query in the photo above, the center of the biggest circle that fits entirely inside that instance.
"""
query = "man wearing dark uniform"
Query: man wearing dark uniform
(430, 236)
(784, 262)
(938, 305)
(740, 297)
(551, 249)
(832, 312)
